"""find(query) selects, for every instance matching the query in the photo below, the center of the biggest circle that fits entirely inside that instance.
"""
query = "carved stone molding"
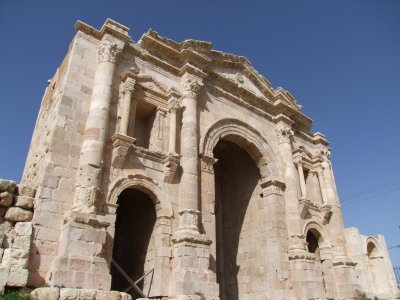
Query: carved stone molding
(284, 134)
(326, 213)
(189, 219)
(174, 106)
(171, 164)
(121, 144)
(108, 52)
(325, 154)
(191, 87)
(272, 187)
(129, 85)
(207, 164)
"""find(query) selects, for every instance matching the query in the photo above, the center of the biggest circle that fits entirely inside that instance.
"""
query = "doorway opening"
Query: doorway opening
(237, 204)
(134, 240)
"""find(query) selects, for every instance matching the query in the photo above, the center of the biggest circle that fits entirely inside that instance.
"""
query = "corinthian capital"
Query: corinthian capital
(108, 52)
(284, 134)
(191, 87)
(129, 85)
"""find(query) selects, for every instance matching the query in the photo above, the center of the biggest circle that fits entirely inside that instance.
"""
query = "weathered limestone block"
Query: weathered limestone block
(24, 202)
(22, 242)
(17, 214)
(87, 294)
(7, 185)
(46, 293)
(23, 228)
(6, 199)
(4, 275)
(69, 294)
(24, 190)
(17, 277)
(16, 258)
(105, 295)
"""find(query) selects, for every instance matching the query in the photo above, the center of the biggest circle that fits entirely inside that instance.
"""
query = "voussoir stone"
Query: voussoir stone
(17, 214)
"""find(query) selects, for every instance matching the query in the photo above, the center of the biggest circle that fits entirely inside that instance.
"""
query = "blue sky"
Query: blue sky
(340, 59)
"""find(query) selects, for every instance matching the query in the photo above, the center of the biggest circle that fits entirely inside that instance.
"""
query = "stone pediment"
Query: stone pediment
(148, 83)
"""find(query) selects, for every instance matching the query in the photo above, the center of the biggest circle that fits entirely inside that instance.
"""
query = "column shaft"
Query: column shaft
(301, 178)
(322, 186)
(91, 160)
(172, 131)
(125, 113)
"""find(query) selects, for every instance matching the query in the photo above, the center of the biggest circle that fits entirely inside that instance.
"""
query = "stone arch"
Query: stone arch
(245, 136)
(318, 232)
(144, 184)
(371, 247)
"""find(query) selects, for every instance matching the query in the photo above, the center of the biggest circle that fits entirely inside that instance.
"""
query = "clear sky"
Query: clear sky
(340, 59)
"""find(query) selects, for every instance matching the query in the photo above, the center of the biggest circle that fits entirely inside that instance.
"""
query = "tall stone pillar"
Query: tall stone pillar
(302, 263)
(192, 278)
(296, 237)
(344, 267)
(128, 108)
(80, 261)
(91, 160)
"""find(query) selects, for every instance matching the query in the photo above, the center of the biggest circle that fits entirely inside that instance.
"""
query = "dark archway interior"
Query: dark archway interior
(312, 241)
(136, 216)
(236, 179)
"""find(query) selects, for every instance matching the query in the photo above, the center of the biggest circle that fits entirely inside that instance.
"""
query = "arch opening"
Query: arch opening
(134, 243)
(238, 217)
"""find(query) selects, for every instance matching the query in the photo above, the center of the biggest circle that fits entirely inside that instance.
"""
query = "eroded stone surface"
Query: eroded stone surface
(227, 192)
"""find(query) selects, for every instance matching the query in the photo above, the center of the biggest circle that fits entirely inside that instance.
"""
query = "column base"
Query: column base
(80, 262)
(192, 278)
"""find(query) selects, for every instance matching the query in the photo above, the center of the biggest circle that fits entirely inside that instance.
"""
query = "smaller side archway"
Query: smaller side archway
(144, 184)
(316, 240)
(143, 220)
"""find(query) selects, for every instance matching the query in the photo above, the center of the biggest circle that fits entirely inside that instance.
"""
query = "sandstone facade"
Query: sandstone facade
(182, 163)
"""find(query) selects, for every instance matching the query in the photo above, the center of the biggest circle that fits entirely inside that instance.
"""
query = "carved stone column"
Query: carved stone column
(128, 108)
(157, 131)
(302, 181)
(121, 141)
(321, 182)
(91, 160)
(191, 250)
(174, 107)
(284, 134)
(189, 194)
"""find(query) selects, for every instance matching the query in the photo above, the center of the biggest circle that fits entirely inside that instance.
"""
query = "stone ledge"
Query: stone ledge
(55, 293)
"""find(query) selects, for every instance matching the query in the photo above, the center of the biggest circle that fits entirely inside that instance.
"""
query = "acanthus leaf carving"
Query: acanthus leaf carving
(108, 52)
(191, 87)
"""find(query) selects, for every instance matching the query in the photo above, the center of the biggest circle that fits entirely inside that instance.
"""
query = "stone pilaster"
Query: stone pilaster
(128, 108)
(174, 108)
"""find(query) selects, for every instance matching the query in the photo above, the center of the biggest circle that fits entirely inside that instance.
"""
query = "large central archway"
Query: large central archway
(238, 217)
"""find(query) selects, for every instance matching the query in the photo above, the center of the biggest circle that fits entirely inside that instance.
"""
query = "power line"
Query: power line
(397, 246)
(369, 197)
(378, 188)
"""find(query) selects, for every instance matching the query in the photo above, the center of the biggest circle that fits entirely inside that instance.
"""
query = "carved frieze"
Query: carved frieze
(272, 187)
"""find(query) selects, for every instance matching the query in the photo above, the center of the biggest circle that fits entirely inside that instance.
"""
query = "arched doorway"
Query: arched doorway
(134, 241)
(238, 206)
(312, 238)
